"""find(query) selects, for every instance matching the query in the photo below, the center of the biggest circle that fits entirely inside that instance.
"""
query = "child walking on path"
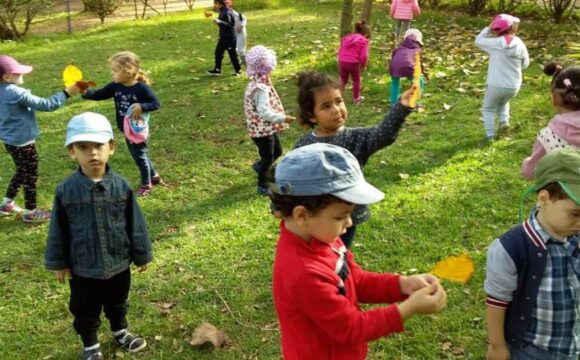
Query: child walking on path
(19, 131)
(96, 232)
(403, 60)
(317, 284)
(227, 38)
(322, 108)
(563, 131)
(403, 11)
(265, 115)
(353, 57)
(533, 271)
(132, 94)
(508, 56)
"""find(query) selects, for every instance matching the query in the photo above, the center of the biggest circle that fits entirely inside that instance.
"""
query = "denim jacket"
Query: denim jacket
(17, 119)
(96, 229)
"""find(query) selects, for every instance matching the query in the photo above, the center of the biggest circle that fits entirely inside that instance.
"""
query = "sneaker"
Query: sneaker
(504, 126)
(490, 139)
(92, 354)
(10, 209)
(263, 190)
(237, 73)
(358, 100)
(157, 180)
(36, 215)
(130, 342)
(256, 166)
(143, 190)
(214, 72)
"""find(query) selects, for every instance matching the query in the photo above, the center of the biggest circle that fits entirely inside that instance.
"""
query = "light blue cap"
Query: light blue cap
(88, 126)
(320, 169)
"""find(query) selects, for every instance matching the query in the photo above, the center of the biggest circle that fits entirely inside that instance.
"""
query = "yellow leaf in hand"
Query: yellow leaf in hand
(454, 268)
(71, 75)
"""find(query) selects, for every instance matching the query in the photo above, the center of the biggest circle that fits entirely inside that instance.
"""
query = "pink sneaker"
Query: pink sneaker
(36, 215)
(10, 209)
(358, 100)
(143, 190)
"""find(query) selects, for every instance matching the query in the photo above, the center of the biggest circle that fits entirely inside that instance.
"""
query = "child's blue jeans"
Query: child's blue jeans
(396, 85)
(139, 154)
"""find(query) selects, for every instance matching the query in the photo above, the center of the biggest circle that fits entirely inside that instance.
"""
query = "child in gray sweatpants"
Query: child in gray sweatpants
(507, 57)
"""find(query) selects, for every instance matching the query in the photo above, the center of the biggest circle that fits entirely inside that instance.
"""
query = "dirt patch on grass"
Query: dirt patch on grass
(56, 22)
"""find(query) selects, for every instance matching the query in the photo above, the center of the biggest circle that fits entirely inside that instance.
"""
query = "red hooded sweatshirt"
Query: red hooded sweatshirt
(318, 311)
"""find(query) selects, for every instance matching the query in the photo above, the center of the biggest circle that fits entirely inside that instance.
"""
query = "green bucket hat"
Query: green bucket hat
(562, 167)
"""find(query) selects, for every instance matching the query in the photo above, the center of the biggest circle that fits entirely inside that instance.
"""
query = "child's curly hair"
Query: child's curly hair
(362, 28)
(128, 63)
(565, 83)
(260, 61)
(308, 83)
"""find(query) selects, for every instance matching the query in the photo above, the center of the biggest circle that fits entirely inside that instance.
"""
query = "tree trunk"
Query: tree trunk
(346, 20)
(367, 8)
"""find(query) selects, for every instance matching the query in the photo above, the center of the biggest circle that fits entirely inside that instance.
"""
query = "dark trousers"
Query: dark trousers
(139, 154)
(230, 46)
(269, 148)
(348, 237)
(26, 160)
(89, 296)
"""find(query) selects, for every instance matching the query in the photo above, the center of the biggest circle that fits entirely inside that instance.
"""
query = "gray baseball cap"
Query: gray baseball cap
(320, 169)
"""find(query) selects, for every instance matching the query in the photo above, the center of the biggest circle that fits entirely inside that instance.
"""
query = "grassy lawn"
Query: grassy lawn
(213, 236)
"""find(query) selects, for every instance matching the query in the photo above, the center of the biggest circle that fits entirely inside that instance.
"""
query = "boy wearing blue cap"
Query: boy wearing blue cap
(533, 271)
(317, 284)
(96, 231)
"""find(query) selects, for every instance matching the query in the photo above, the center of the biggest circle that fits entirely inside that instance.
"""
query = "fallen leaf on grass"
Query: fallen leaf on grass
(403, 176)
(455, 268)
(206, 333)
(446, 345)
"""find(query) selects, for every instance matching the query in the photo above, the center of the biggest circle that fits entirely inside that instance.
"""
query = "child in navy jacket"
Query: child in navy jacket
(533, 271)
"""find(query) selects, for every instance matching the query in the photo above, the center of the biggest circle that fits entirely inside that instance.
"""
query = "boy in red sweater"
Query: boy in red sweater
(317, 284)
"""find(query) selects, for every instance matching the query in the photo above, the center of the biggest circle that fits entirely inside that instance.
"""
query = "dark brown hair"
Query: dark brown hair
(308, 83)
(556, 192)
(565, 84)
(362, 28)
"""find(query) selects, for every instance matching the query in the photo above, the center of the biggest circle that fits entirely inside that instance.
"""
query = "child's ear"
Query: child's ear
(543, 197)
(312, 118)
(111, 147)
(300, 214)
(71, 153)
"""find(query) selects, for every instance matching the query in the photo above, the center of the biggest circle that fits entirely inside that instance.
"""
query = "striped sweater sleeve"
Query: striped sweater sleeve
(501, 278)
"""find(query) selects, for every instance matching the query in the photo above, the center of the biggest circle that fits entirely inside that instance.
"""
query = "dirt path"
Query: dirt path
(126, 11)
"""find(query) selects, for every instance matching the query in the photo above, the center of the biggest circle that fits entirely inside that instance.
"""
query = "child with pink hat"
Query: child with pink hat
(19, 131)
(265, 115)
(508, 56)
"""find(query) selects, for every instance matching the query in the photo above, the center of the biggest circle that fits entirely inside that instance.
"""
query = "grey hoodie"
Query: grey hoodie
(507, 58)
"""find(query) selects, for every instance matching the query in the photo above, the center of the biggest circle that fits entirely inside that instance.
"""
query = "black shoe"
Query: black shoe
(93, 354)
(130, 342)
(214, 72)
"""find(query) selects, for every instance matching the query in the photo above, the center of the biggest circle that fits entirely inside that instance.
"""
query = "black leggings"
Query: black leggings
(26, 160)
(269, 148)
(89, 296)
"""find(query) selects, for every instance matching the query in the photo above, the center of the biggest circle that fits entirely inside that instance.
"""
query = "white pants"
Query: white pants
(496, 101)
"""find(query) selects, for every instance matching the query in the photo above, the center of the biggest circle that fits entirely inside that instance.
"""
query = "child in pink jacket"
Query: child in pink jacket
(353, 57)
(403, 12)
(563, 131)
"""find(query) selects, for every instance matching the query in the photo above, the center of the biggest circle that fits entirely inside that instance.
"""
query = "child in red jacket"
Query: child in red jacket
(317, 284)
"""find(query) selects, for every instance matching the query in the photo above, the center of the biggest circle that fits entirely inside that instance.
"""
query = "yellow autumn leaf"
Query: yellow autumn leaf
(416, 81)
(71, 75)
(454, 268)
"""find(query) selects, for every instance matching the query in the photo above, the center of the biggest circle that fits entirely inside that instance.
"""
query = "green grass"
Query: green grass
(213, 236)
